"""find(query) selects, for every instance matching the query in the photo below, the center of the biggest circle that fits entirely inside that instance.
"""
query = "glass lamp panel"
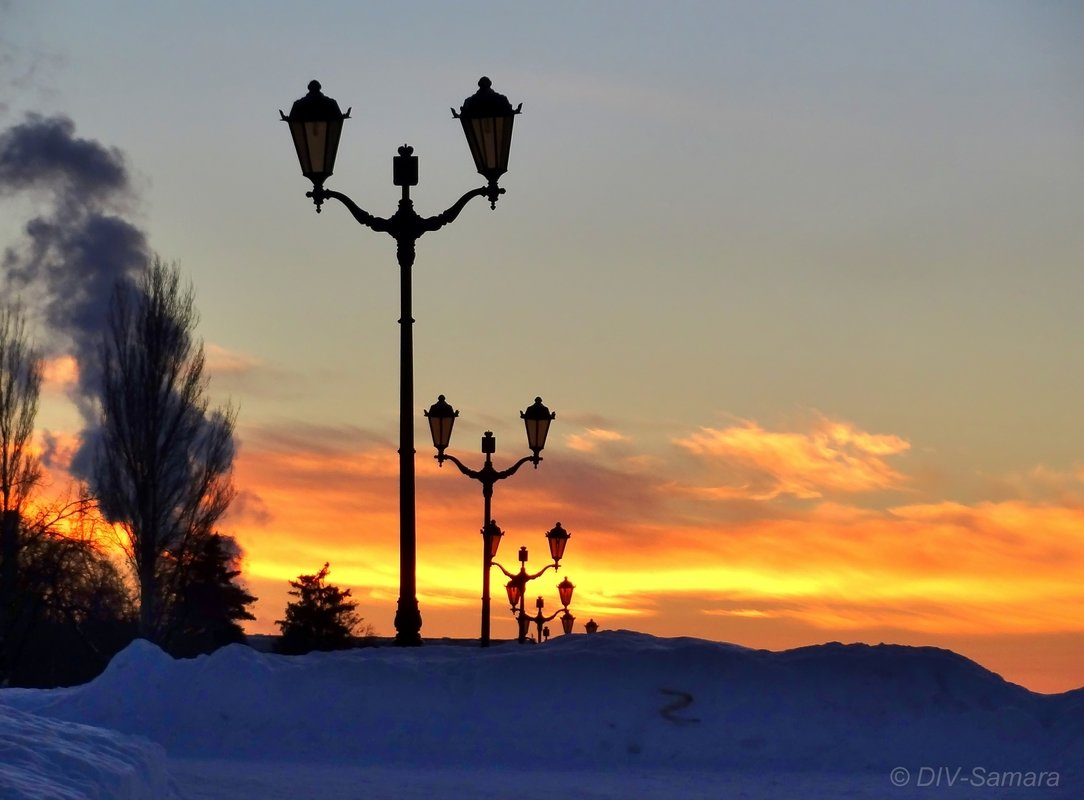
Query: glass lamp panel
(537, 430)
(316, 138)
(301, 146)
(441, 429)
(331, 143)
(515, 592)
(490, 139)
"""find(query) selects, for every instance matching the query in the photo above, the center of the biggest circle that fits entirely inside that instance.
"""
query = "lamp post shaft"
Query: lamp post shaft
(487, 558)
(408, 618)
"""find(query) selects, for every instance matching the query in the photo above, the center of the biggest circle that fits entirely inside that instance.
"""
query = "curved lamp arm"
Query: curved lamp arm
(445, 217)
(509, 575)
(319, 194)
(508, 473)
(541, 571)
(470, 473)
(487, 474)
(544, 620)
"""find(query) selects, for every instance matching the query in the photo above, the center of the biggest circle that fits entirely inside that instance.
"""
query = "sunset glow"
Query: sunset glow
(801, 283)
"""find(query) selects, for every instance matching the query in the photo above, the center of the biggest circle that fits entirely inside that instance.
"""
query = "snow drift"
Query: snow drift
(611, 701)
(46, 759)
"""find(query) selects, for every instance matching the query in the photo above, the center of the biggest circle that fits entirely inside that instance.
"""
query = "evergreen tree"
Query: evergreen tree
(206, 604)
(322, 618)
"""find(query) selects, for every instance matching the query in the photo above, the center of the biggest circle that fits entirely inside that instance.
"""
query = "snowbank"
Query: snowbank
(46, 759)
(610, 701)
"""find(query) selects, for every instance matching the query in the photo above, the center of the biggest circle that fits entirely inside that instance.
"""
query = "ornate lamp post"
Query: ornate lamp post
(536, 420)
(316, 124)
(517, 586)
(540, 619)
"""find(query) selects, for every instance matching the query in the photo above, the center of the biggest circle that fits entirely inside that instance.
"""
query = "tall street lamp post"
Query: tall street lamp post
(517, 586)
(316, 124)
(536, 420)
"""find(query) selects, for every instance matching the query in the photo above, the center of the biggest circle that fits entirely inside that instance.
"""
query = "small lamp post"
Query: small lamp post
(537, 419)
(316, 124)
(516, 588)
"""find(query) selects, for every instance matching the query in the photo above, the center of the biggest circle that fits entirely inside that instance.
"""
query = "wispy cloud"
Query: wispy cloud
(591, 438)
(748, 461)
(222, 361)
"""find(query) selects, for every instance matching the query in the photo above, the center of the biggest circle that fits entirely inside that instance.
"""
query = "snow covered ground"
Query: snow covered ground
(616, 714)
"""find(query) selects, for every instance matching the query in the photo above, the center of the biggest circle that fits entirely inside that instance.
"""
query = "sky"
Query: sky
(800, 281)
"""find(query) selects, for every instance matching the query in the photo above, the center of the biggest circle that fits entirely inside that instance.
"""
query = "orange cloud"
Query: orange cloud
(589, 440)
(222, 361)
(59, 374)
(834, 456)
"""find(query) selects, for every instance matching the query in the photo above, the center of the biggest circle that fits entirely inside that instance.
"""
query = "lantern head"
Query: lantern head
(487, 123)
(316, 124)
(537, 420)
(441, 418)
(492, 534)
(564, 589)
(515, 593)
(566, 622)
(558, 539)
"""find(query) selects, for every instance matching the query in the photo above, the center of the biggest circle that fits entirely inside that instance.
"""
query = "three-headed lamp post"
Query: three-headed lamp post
(536, 420)
(316, 123)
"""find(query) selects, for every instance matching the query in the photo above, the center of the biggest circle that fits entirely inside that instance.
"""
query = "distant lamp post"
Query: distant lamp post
(441, 418)
(516, 588)
(540, 620)
(316, 124)
(590, 626)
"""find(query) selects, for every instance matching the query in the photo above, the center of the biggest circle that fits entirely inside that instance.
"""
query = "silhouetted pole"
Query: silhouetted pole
(316, 124)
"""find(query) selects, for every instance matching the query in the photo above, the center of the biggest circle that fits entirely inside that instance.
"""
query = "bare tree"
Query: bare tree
(163, 465)
(20, 385)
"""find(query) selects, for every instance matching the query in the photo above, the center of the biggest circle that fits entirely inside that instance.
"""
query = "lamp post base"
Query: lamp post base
(408, 624)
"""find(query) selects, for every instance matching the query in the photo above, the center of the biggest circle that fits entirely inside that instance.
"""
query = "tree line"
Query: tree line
(160, 478)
